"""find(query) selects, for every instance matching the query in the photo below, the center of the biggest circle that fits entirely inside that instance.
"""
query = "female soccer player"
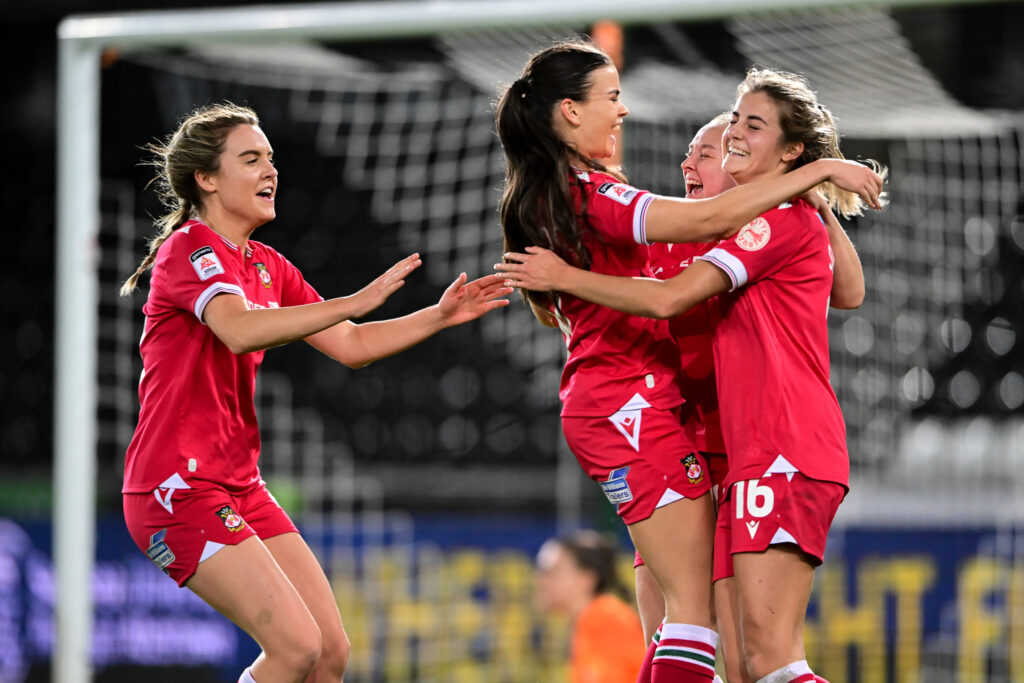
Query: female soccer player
(194, 500)
(620, 390)
(577, 576)
(784, 432)
(704, 177)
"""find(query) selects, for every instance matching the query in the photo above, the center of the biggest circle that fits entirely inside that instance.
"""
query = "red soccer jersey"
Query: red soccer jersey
(692, 332)
(771, 349)
(613, 355)
(197, 417)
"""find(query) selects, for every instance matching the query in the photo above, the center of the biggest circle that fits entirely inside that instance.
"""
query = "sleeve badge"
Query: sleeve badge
(206, 263)
(754, 235)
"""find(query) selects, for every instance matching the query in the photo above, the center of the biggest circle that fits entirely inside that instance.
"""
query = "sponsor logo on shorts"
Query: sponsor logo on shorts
(206, 263)
(158, 551)
(754, 235)
(694, 472)
(264, 274)
(623, 194)
(616, 488)
(232, 520)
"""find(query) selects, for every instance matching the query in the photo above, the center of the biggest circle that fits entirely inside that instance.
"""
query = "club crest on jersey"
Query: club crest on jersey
(694, 472)
(232, 520)
(206, 263)
(623, 194)
(158, 551)
(616, 488)
(264, 274)
(754, 235)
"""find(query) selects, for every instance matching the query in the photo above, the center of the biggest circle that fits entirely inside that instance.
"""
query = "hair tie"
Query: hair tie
(521, 86)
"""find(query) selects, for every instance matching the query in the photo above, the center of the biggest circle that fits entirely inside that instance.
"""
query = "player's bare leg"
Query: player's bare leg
(650, 602)
(728, 617)
(264, 603)
(301, 567)
(675, 542)
(773, 589)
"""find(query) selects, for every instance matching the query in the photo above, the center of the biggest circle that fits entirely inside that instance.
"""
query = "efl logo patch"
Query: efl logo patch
(232, 520)
(206, 263)
(694, 472)
(264, 274)
(616, 489)
(623, 194)
(754, 235)
(158, 551)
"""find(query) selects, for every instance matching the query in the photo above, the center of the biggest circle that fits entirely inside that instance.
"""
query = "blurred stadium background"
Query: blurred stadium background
(427, 481)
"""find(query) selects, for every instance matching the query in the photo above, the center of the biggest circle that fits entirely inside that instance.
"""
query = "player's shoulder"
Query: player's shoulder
(191, 235)
(605, 185)
(796, 210)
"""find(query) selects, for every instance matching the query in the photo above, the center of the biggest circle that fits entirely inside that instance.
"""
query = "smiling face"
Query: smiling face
(753, 141)
(591, 125)
(702, 167)
(244, 187)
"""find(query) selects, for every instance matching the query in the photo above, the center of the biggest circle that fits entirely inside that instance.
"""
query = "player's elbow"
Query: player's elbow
(664, 307)
(238, 344)
(848, 300)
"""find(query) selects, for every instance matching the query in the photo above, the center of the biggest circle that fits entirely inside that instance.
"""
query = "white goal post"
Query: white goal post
(82, 39)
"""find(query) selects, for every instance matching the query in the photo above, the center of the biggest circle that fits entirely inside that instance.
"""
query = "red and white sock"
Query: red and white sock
(644, 676)
(247, 677)
(794, 672)
(684, 654)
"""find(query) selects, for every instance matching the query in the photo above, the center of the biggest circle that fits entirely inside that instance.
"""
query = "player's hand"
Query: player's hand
(539, 269)
(856, 177)
(464, 301)
(816, 200)
(377, 292)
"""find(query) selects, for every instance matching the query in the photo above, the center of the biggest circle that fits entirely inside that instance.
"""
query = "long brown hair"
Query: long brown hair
(537, 207)
(195, 146)
(804, 119)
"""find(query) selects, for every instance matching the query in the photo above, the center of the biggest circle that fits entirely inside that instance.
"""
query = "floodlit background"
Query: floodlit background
(427, 481)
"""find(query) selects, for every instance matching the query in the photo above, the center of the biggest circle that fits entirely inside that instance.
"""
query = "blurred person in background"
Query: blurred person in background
(194, 500)
(577, 576)
(784, 431)
(622, 414)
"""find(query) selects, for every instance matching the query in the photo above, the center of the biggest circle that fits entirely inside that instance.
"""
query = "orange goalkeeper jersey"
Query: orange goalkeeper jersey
(607, 643)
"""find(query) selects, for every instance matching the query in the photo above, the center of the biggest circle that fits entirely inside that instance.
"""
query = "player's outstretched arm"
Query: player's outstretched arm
(542, 270)
(359, 345)
(705, 220)
(244, 330)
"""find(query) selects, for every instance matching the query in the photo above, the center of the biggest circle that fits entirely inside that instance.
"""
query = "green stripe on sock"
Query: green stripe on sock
(685, 654)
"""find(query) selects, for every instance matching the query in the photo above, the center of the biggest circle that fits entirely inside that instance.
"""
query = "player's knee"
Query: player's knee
(300, 652)
(757, 649)
(334, 656)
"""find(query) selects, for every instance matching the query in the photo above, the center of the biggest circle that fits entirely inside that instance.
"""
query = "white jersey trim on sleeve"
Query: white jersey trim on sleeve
(640, 218)
(212, 291)
(732, 266)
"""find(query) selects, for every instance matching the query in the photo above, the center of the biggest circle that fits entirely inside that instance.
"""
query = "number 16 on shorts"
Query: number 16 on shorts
(752, 501)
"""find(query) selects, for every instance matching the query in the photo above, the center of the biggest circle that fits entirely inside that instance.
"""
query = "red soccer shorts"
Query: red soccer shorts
(180, 527)
(642, 458)
(758, 513)
(718, 467)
